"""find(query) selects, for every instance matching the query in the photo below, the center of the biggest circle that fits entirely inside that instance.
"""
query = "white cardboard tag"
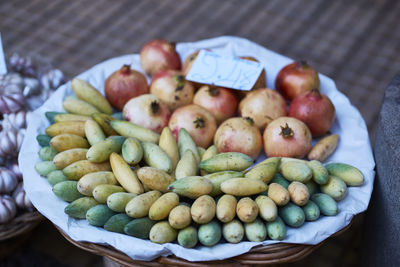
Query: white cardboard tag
(224, 71)
(3, 67)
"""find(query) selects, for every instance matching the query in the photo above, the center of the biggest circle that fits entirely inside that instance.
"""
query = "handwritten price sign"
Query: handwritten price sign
(224, 71)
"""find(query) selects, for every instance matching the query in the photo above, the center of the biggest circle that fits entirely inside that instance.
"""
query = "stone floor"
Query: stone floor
(354, 42)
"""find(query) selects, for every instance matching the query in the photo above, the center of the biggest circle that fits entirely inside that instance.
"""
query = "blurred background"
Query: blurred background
(356, 43)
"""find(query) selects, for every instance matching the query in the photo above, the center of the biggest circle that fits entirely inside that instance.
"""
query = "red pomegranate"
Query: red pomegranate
(200, 124)
(287, 137)
(220, 102)
(124, 84)
(315, 110)
(296, 78)
(158, 55)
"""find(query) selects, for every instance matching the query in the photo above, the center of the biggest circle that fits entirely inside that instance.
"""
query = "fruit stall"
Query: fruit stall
(218, 150)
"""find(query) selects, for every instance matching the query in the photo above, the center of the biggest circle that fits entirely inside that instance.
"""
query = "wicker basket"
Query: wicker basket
(20, 225)
(272, 254)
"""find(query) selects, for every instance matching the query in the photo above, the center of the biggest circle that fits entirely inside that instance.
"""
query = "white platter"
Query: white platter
(354, 148)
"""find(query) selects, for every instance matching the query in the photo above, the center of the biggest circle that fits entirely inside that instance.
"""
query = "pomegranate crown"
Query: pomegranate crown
(286, 131)
(303, 64)
(199, 122)
(249, 120)
(213, 90)
(172, 45)
(155, 107)
(125, 69)
(180, 82)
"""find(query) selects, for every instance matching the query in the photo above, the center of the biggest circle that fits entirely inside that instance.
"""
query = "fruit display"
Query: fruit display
(185, 164)
(156, 185)
(146, 197)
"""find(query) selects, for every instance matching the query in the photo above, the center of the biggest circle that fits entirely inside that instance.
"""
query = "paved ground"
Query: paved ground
(354, 42)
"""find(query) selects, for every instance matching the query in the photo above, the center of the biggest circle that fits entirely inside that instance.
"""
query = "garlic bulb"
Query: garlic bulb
(11, 103)
(52, 79)
(32, 86)
(26, 65)
(10, 142)
(8, 209)
(17, 120)
(21, 199)
(11, 83)
(14, 167)
(11, 93)
(8, 180)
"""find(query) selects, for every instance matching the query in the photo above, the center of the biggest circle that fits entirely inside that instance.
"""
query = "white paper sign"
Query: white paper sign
(225, 71)
(3, 68)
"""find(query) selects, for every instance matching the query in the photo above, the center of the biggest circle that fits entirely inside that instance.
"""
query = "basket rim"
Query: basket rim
(20, 224)
(262, 254)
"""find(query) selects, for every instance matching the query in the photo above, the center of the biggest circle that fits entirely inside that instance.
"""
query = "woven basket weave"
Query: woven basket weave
(271, 254)
(20, 225)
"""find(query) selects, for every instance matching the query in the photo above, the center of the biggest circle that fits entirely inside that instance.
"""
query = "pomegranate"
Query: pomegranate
(200, 124)
(188, 63)
(287, 137)
(147, 111)
(220, 102)
(296, 78)
(171, 87)
(239, 135)
(158, 55)
(124, 84)
(263, 105)
(315, 110)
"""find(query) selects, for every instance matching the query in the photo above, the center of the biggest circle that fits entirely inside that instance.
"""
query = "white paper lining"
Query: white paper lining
(354, 148)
